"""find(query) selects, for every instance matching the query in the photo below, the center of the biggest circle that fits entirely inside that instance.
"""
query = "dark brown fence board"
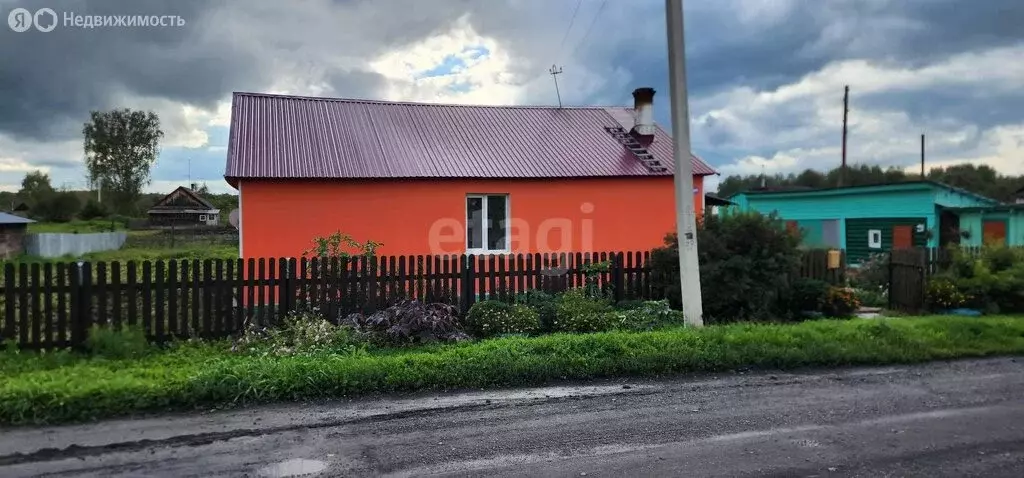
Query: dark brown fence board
(10, 301)
(23, 303)
(47, 308)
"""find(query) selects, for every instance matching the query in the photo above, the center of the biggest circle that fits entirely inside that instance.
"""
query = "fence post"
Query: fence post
(81, 302)
(468, 281)
(7, 332)
(890, 287)
(617, 277)
(285, 294)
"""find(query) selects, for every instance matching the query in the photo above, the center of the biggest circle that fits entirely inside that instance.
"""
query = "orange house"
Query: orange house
(450, 179)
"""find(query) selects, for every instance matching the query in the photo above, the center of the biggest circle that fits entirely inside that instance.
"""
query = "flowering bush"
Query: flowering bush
(575, 311)
(301, 333)
(872, 274)
(840, 303)
(942, 293)
(489, 318)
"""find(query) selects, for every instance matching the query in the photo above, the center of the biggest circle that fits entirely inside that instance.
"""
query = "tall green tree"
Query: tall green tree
(35, 188)
(120, 148)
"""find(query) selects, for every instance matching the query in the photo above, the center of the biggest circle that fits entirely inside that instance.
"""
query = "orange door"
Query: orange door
(902, 237)
(994, 232)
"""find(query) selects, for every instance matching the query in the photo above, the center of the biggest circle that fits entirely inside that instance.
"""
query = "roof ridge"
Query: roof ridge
(420, 103)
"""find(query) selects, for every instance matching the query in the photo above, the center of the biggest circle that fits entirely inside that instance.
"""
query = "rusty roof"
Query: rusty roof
(278, 136)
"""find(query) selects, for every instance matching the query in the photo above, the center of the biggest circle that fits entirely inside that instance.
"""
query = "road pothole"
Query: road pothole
(296, 467)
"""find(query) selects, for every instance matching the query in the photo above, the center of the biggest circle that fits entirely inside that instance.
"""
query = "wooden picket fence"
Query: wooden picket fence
(814, 265)
(53, 305)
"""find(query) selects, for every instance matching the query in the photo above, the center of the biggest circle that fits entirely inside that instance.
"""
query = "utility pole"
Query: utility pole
(922, 156)
(554, 71)
(846, 110)
(686, 218)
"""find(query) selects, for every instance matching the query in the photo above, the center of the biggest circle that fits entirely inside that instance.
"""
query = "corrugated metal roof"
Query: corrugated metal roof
(276, 136)
(12, 219)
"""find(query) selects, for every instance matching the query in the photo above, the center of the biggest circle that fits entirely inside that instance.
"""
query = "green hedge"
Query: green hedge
(57, 388)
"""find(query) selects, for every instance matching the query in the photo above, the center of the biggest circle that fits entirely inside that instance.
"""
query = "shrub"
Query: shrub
(646, 315)
(300, 333)
(631, 304)
(872, 298)
(409, 322)
(491, 317)
(741, 257)
(592, 272)
(942, 293)
(543, 303)
(575, 311)
(992, 281)
(839, 303)
(807, 295)
(57, 207)
(871, 274)
(128, 341)
(93, 209)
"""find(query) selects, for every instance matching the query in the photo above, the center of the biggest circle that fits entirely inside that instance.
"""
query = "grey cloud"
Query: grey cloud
(50, 81)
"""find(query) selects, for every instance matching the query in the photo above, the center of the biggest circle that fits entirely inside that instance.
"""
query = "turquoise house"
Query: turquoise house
(997, 224)
(875, 218)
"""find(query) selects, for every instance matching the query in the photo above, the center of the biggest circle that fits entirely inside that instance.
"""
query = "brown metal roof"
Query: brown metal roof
(276, 136)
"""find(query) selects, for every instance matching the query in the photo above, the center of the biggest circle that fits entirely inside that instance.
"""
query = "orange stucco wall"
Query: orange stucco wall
(280, 218)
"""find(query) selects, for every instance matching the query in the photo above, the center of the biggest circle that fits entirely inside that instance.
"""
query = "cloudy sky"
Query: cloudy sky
(766, 77)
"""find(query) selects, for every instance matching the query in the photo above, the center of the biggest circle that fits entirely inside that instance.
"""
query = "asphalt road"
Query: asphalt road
(957, 419)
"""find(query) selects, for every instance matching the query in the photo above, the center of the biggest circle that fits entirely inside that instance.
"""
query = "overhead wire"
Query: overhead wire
(572, 21)
(591, 27)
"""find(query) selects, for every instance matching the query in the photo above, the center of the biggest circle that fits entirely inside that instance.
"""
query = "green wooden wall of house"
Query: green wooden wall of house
(844, 217)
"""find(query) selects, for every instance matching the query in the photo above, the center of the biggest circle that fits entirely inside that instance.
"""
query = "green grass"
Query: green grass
(78, 226)
(62, 387)
(139, 254)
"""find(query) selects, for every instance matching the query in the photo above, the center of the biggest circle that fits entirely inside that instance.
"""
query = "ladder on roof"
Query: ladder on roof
(634, 146)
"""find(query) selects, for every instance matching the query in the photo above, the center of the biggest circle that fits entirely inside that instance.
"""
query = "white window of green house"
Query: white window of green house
(487, 223)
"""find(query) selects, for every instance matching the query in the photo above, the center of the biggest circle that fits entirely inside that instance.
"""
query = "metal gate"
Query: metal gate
(907, 277)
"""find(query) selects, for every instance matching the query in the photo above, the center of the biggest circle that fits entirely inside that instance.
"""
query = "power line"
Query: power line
(567, 30)
(591, 27)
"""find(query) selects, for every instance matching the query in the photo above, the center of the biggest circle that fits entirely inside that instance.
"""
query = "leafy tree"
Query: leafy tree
(35, 188)
(121, 147)
(202, 190)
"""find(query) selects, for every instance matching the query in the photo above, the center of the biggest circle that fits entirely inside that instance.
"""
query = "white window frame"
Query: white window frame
(508, 219)
(202, 218)
(871, 235)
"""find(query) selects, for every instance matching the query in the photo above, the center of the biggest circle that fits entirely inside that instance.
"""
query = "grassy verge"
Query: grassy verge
(62, 388)
(76, 227)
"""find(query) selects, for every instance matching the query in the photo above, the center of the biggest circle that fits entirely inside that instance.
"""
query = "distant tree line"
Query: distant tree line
(978, 179)
(120, 148)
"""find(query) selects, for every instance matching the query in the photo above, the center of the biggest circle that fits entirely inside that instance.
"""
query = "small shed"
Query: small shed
(183, 207)
(12, 235)
(870, 218)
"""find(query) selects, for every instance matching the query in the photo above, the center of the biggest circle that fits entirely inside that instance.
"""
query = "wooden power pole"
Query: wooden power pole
(555, 71)
(846, 110)
(922, 156)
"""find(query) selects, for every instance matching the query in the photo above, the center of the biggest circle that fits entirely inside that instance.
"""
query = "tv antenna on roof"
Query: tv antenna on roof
(554, 71)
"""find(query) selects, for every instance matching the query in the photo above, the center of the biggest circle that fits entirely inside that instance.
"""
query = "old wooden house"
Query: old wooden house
(183, 207)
